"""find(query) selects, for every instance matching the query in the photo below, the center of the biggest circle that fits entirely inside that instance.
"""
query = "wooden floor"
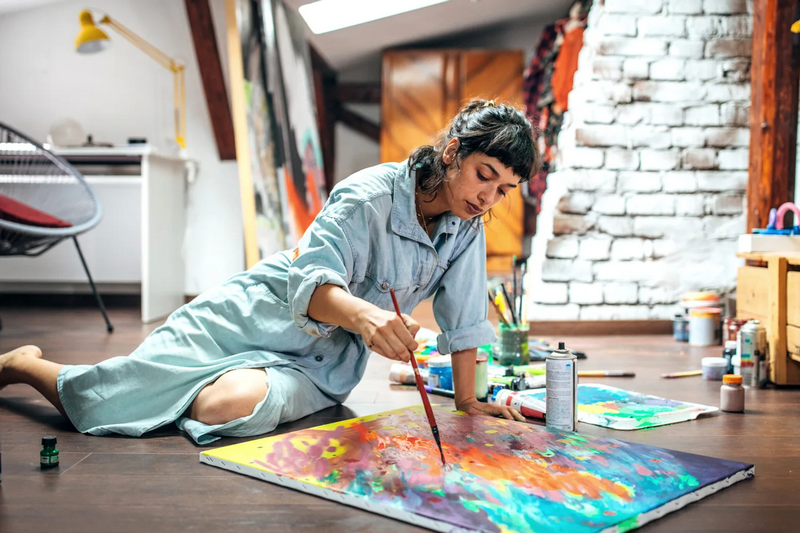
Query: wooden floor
(155, 484)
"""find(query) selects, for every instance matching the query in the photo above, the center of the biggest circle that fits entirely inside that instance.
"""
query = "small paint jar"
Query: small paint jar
(731, 394)
(714, 368)
(680, 328)
(48, 456)
(440, 372)
(481, 376)
(404, 373)
(728, 354)
(704, 328)
(513, 342)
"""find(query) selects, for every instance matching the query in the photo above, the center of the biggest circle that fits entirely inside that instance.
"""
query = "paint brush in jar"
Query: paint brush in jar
(421, 387)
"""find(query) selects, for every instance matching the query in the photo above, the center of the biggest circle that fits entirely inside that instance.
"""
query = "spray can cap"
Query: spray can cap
(562, 346)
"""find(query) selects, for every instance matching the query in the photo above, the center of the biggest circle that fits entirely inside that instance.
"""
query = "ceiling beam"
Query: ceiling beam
(359, 93)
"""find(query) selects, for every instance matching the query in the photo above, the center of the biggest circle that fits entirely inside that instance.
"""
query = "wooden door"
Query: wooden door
(423, 89)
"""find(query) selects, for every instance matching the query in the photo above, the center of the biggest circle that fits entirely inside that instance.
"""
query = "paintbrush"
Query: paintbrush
(500, 302)
(508, 302)
(523, 305)
(421, 387)
(500, 314)
(514, 309)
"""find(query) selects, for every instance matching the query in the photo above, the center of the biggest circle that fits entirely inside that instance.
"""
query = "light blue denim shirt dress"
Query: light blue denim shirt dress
(366, 240)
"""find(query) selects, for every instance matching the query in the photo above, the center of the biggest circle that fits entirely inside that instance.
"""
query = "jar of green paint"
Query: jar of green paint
(48, 457)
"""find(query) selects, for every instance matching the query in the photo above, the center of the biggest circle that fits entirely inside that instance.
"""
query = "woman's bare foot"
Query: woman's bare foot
(13, 360)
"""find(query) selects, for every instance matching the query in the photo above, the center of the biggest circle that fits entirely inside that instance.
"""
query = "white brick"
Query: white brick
(633, 113)
(585, 293)
(729, 48)
(724, 227)
(737, 27)
(612, 24)
(626, 270)
(627, 249)
(703, 69)
(601, 135)
(688, 137)
(582, 157)
(734, 159)
(650, 136)
(589, 180)
(643, 7)
(703, 28)
(577, 203)
(663, 312)
(671, 26)
(566, 270)
(727, 137)
(668, 91)
(621, 293)
(701, 115)
(725, 7)
(593, 113)
(627, 46)
(543, 313)
(689, 205)
(639, 181)
(614, 312)
(636, 68)
(671, 68)
(609, 205)
(565, 247)
(658, 295)
(616, 226)
(722, 181)
(549, 293)
(685, 7)
(607, 68)
(675, 227)
(735, 114)
(620, 159)
(666, 114)
(728, 204)
(664, 247)
(595, 249)
(680, 182)
(699, 158)
(566, 224)
(727, 92)
(660, 159)
(736, 70)
(651, 204)
(686, 48)
(602, 91)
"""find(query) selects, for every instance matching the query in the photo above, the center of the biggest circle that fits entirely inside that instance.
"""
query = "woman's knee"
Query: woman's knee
(232, 396)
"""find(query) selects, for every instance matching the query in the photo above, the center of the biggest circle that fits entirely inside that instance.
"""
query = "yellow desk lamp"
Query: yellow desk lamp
(92, 39)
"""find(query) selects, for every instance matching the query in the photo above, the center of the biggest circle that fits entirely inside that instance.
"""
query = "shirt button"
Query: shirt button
(385, 286)
(318, 358)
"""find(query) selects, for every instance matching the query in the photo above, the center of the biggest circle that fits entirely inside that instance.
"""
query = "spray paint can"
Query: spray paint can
(562, 389)
(751, 347)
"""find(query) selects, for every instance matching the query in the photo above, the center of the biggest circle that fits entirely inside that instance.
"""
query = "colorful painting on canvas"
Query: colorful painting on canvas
(615, 408)
(501, 476)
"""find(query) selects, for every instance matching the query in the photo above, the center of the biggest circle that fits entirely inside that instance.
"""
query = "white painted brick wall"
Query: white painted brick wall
(586, 180)
(658, 295)
(627, 249)
(666, 114)
(670, 26)
(549, 293)
(566, 270)
(626, 270)
(687, 48)
(553, 312)
(724, 227)
(699, 158)
(632, 114)
(668, 91)
(609, 205)
(583, 157)
(565, 247)
(586, 293)
(607, 68)
(702, 28)
(722, 181)
(728, 204)
(567, 224)
(685, 7)
(728, 92)
(595, 248)
(702, 115)
(660, 159)
(689, 205)
(621, 293)
(636, 7)
(613, 24)
(614, 312)
(616, 226)
(703, 69)
(636, 68)
(601, 135)
(576, 203)
(734, 159)
(663, 247)
(639, 181)
(621, 159)
(627, 46)
(672, 227)
(725, 7)
(650, 136)
(728, 48)
(727, 137)
(680, 182)
(686, 137)
(651, 204)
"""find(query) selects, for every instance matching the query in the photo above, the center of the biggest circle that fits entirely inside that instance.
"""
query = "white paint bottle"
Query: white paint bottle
(561, 384)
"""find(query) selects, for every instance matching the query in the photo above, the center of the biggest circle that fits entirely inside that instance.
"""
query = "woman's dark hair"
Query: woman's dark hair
(497, 130)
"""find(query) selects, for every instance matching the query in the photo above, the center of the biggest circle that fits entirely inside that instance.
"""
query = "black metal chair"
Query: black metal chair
(43, 200)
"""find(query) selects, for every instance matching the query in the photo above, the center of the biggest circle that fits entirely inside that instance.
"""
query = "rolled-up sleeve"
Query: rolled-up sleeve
(461, 305)
(323, 256)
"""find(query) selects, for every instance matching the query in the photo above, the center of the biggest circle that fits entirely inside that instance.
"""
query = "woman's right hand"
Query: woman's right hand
(388, 334)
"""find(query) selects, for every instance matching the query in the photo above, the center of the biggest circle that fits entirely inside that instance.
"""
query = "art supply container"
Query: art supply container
(704, 327)
(513, 341)
(440, 372)
(48, 456)
(680, 328)
(731, 394)
(728, 353)
(694, 300)
(481, 376)
(404, 373)
(714, 368)
(751, 347)
(561, 385)
(730, 328)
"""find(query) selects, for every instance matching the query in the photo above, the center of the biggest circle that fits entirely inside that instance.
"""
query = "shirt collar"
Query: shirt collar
(404, 210)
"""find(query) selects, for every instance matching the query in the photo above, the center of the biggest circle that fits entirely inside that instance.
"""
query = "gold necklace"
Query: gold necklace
(422, 217)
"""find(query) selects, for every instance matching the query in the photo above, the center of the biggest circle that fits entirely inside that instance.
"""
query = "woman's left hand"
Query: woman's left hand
(474, 407)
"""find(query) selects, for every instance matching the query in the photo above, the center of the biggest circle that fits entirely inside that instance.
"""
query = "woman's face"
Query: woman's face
(477, 184)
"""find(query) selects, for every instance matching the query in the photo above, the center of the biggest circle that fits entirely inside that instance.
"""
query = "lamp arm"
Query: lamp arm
(160, 57)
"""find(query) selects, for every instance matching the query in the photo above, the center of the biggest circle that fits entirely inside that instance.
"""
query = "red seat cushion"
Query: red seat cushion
(15, 211)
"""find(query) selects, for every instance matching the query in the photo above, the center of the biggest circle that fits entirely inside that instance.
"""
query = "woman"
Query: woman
(292, 335)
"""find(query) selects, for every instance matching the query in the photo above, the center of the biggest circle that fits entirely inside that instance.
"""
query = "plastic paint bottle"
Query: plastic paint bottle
(731, 394)
(48, 457)
(561, 389)
(440, 372)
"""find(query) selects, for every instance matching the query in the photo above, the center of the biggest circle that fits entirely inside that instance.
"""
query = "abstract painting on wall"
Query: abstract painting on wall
(613, 408)
(501, 476)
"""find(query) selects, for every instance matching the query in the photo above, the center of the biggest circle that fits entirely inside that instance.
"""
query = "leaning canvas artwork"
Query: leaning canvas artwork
(500, 476)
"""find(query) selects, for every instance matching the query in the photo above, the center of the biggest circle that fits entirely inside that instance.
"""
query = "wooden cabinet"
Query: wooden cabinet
(423, 89)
